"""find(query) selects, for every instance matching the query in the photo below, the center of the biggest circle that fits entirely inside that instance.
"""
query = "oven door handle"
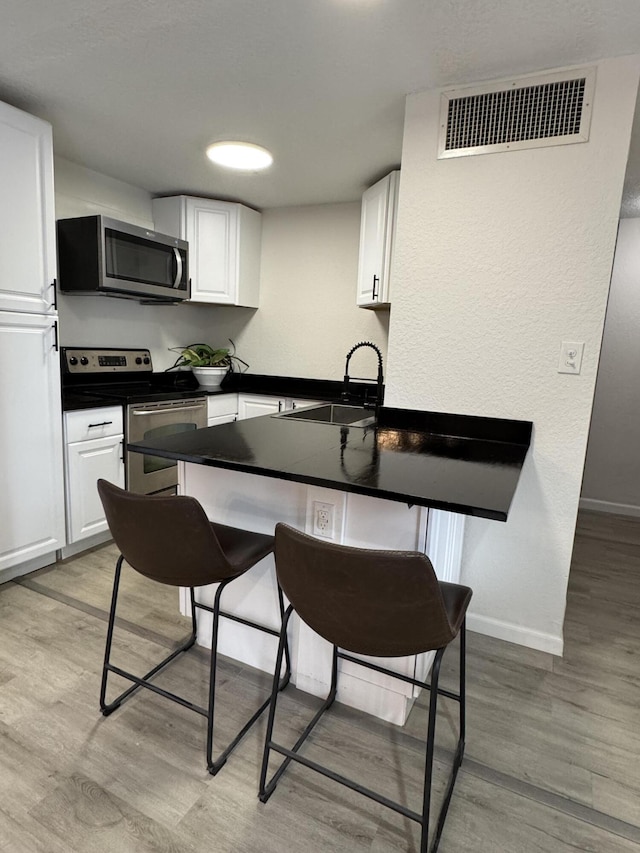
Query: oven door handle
(166, 411)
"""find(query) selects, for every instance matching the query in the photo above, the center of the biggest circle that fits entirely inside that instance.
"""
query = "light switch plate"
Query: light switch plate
(571, 357)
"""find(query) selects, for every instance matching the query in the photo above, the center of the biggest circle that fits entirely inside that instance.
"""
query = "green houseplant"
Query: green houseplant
(209, 364)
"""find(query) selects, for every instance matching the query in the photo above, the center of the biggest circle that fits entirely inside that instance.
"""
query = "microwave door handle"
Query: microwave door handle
(178, 277)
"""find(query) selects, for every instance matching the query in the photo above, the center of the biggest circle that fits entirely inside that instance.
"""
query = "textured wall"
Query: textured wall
(500, 257)
(308, 319)
(612, 471)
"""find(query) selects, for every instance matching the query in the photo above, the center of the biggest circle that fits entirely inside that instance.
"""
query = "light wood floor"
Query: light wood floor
(553, 745)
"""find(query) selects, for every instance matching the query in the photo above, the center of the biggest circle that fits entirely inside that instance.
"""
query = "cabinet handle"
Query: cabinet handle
(102, 423)
(279, 405)
(376, 281)
(122, 451)
(55, 336)
(54, 304)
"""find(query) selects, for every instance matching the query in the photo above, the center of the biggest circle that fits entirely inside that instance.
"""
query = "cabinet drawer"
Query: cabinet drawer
(222, 404)
(85, 424)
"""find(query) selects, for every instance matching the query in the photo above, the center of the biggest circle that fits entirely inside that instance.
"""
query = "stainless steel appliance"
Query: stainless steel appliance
(156, 404)
(97, 254)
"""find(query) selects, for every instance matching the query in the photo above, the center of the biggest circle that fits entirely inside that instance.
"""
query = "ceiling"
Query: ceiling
(136, 90)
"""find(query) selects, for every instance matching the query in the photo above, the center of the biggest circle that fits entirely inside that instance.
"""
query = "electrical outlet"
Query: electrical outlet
(323, 519)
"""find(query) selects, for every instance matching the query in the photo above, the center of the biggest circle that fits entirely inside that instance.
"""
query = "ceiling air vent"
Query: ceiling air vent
(532, 112)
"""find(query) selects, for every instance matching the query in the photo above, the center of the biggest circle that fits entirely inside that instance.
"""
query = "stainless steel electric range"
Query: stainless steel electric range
(156, 404)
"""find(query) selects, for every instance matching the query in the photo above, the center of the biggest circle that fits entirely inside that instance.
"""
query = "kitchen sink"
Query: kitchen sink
(355, 416)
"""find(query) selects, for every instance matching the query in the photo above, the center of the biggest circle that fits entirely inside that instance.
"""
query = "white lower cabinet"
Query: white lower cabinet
(93, 450)
(222, 409)
(31, 466)
(254, 405)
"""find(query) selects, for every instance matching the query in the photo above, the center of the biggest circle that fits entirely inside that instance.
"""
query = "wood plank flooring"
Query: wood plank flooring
(553, 745)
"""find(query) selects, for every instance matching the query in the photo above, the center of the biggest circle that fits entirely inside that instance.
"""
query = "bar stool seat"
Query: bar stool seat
(374, 603)
(170, 540)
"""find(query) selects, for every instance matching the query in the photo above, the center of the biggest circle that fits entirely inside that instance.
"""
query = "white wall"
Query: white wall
(308, 319)
(105, 321)
(500, 257)
(612, 471)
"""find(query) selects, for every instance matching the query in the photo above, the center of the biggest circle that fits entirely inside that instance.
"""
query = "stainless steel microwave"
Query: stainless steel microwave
(97, 254)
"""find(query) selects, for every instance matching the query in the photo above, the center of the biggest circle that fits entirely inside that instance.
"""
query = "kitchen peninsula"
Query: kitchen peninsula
(406, 482)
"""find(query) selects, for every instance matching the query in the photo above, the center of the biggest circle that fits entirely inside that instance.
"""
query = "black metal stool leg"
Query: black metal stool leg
(214, 766)
(431, 736)
(459, 753)
(266, 790)
(143, 681)
(108, 708)
(281, 681)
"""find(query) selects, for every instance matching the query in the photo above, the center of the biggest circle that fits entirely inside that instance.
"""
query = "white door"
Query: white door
(31, 464)
(212, 234)
(27, 220)
(87, 462)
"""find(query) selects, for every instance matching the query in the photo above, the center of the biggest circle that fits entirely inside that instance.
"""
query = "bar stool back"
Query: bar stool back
(370, 602)
(170, 540)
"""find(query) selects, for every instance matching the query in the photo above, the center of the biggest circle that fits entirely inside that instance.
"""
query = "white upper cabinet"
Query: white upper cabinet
(27, 220)
(224, 246)
(377, 233)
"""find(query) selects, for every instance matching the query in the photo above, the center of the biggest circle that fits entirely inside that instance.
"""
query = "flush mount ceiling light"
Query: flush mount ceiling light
(240, 155)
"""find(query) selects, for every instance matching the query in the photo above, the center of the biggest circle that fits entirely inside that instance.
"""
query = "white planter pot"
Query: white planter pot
(210, 377)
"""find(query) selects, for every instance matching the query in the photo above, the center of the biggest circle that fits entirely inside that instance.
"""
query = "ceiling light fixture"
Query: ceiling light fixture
(240, 155)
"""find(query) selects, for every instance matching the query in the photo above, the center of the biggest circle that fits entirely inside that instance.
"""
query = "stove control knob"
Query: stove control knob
(73, 360)
(138, 360)
(84, 360)
(147, 360)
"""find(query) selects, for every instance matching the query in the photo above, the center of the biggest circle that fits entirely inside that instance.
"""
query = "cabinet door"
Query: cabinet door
(31, 464)
(212, 232)
(27, 220)
(224, 246)
(377, 226)
(221, 419)
(87, 461)
(253, 407)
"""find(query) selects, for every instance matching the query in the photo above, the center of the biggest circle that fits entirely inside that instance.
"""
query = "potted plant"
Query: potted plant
(208, 364)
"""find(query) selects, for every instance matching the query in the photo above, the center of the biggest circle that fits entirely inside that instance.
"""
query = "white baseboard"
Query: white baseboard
(515, 634)
(85, 544)
(29, 566)
(608, 506)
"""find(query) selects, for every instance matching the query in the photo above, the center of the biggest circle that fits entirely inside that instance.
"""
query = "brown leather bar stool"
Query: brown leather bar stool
(379, 603)
(171, 540)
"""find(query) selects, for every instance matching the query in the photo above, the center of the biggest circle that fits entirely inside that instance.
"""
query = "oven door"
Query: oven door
(148, 475)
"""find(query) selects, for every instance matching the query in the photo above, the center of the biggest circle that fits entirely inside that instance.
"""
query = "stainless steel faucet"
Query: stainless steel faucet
(346, 396)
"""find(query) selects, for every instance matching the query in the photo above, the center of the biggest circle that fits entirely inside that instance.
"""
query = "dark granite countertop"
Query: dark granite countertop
(457, 463)
(72, 401)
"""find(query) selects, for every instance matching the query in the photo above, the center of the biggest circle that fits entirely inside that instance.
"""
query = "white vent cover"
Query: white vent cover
(532, 112)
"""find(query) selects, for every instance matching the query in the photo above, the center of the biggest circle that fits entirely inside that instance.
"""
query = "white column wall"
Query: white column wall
(500, 257)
